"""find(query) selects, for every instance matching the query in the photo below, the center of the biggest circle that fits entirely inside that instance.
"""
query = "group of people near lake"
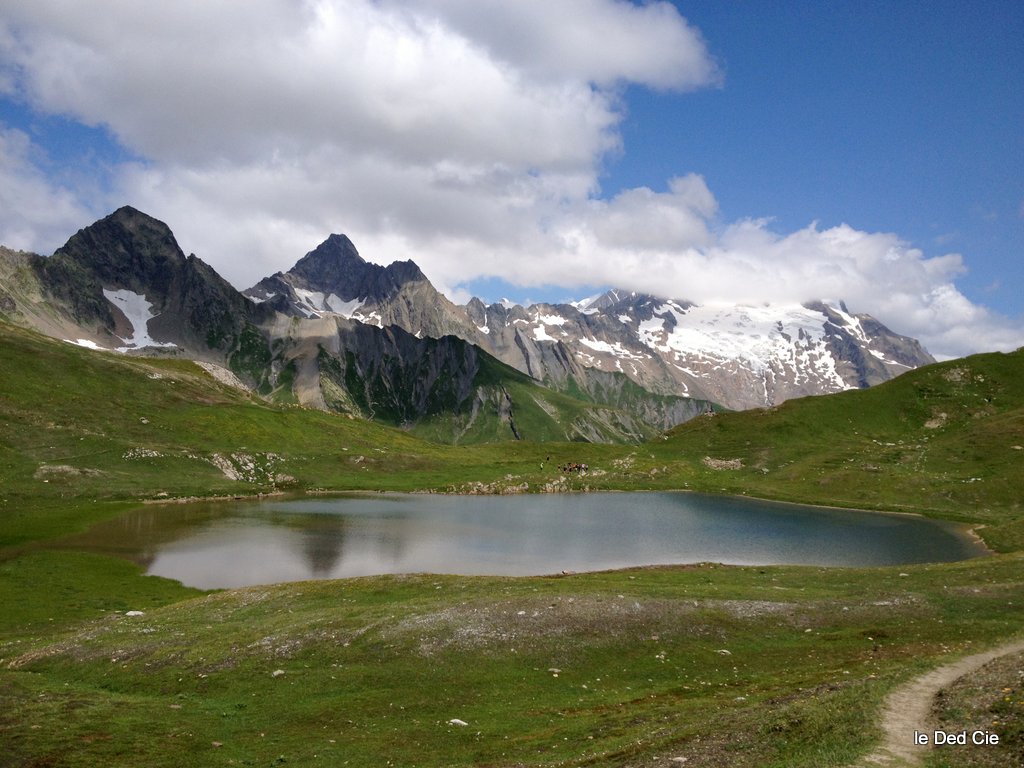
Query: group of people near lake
(571, 466)
(576, 467)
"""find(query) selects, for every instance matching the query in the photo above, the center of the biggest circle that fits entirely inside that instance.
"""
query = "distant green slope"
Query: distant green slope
(509, 405)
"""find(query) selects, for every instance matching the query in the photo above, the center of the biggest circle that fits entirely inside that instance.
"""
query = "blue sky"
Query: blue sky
(903, 117)
(712, 151)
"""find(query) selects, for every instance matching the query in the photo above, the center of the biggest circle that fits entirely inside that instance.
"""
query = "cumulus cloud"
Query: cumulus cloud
(589, 40)
(467, 135)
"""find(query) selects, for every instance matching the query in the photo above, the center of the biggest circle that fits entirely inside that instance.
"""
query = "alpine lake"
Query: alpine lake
(214, 545)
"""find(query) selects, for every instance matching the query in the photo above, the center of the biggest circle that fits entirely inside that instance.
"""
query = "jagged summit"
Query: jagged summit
(334, 262)
(335, 266)
(334, 279)
(127, 284)
(333, 274)
(127, 249)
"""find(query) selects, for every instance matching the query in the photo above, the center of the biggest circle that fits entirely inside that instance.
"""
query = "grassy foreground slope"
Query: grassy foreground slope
(723, 666)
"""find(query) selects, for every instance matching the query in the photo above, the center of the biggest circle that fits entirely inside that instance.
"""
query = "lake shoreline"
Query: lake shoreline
(967, 529)
(346, 534)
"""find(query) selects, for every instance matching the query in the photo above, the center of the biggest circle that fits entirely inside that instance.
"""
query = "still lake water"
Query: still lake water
(242, 543)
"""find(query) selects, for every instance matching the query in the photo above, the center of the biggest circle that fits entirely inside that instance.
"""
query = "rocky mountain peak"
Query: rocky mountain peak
(334, 262)
(127, 249)
(127, 283)
(335, 268)
(124, 283)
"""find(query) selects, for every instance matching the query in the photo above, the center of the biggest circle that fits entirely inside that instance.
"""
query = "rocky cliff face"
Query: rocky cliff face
(679, 356)
(334, 280)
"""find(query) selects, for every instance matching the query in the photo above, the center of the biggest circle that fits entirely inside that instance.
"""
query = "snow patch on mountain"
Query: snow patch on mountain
(312, 301)
(138, 311)
(880, 356)
(616, 349)
(540, 333)
(87, 344)
(550, 319)
(758, 338)
(586, 306)
(346, 309)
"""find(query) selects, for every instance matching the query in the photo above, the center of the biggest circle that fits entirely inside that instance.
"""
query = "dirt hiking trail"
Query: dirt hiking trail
(907, 709)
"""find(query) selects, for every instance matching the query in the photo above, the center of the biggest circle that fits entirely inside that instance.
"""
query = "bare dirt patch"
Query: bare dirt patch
(499, 625)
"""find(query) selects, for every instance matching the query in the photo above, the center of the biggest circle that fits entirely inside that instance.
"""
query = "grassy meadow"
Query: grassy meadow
(723, 666)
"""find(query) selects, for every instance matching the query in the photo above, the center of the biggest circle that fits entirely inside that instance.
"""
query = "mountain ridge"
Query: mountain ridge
(669, 347)
(302, 335)
(124, 284)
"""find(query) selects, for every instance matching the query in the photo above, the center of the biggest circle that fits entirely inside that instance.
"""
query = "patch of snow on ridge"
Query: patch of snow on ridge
(615, 349)
(852, 324)
(652, 331)
(139, 312)
(886, 360)
(540, 333)
(584, 305)
(344, 308)
(87, 344)
(551, 319)
(314, 300)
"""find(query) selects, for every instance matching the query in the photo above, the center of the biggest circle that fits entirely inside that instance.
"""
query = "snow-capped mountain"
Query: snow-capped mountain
(738, 356)
(340, 333)
(123, 284)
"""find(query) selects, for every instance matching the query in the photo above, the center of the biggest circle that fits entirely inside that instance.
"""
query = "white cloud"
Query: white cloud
(588, 40)
(202, 83)
(35, 213)
(467, 135)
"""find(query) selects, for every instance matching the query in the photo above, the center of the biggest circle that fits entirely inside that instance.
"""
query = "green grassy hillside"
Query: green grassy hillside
(511, 406)
(946, 440)
(79, 427)
(772, 666)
